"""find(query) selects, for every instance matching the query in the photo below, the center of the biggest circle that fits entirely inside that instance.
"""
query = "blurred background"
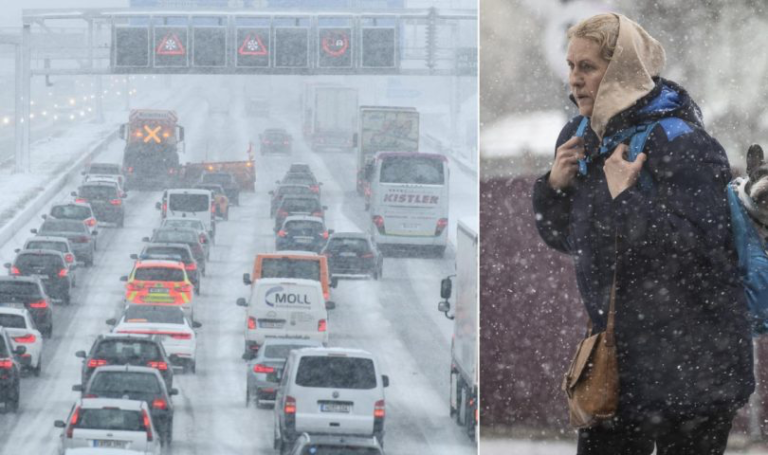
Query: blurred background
(531, 313)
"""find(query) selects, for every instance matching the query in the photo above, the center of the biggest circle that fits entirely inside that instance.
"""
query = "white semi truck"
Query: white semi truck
(464, 347)
(330, 116)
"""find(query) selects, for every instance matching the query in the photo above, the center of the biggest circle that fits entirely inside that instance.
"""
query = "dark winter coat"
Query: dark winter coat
(683, 336)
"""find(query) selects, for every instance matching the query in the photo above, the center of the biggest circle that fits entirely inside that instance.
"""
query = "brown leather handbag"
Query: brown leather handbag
(592, 381)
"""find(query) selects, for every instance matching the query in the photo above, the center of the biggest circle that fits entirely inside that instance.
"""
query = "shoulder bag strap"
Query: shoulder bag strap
(610, 326)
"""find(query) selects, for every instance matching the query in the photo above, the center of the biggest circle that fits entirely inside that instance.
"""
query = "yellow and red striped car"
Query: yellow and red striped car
(159, 282)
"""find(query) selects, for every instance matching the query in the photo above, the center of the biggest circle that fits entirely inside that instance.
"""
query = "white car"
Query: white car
(107, 423)
(98, 178)
(170, 324)
(23, 332)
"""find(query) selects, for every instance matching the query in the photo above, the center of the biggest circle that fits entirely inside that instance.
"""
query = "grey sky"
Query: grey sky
(11, 9)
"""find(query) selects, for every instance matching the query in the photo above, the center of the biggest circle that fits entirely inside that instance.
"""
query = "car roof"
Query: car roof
(126, 336)
(187, 191)
(47, 238)
(281, 253)
(143, 263)
(183, 246)
(98, 403)
(315, 219)
(351, 352)
(182, 218)
(292, 281)
(13, 310)
(128, 368)
(288, 197)
(31, 279)
(75, 203)
(175, 228)
(100, 182)
(302, 185)
(290, 341)
(39, 252)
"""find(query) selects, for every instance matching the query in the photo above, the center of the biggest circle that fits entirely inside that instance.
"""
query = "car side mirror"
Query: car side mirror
(135, 257)
(111, 321)
(247, 278)
(445, 307)
(145, 239)
(173, 392)
(34, 231)
(330, 305)
(77, 388)
(73, 193)
(385, 380)
(59, 424)
(20, 350)
(197, 325)
(445, 288)
(241, 302)
(334, 282)
(124, 278)
(80, 354)
(158, 206)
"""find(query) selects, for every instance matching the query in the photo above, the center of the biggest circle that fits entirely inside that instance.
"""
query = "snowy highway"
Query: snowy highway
(395, 318)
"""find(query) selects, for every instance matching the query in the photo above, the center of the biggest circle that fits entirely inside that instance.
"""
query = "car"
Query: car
(296, 205)
(10, 372)
(265, 370)
(106, 199)
(169, 324)
(299, 168)
(60, 244)
(125, 349)
(135, 383)
(173, 222)
(287, 190)
(82, 239)
(22, 331)
(275, 140)
(50, 266)
(190, 203)
(227, 181)
(329, 390)
(314, 444)
(28, 292)
(301, 179)
(105, 169)
(302, 233)
(196, 241)
(176, 252)
(111, 179)
(220, 199)
(291, 264)
(353, 254)
(106, 423)
(159, 282)
(81, 211)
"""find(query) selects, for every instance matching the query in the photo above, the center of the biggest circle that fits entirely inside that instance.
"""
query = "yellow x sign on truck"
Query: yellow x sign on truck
(152, 134)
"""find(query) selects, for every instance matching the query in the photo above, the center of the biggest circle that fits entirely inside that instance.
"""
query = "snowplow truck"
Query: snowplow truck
(243, 172)
(151, 157)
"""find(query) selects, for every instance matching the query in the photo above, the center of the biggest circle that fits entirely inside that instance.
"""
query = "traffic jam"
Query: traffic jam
(260, 301)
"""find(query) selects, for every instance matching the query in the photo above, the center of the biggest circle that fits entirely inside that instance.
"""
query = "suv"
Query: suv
(348, 445)
(309, 206)
(122, 349)
(81, 238)
(28, 291)
(50, 266)
(302, 233)
(227, 181)
(175, 252)
(135, 383)
(60, 244)
(105, 169)
(196, 241)
(106, 199)
(10, 372)
(80, 211)
(266, 369)
(352, 254)
(287, 190)
(329, 390)
(275, 140)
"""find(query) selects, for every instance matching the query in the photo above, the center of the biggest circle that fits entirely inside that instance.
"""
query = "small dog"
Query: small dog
(753, 190)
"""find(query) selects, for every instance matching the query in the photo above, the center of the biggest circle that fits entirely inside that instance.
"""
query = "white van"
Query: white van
(190, 203)
(330, 391)
(285, 308)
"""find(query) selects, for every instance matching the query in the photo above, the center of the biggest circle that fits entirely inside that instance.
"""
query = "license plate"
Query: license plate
(270, 325)
(109, 443)
(335, 407)
(348, 255)
(410, 226)
(303, 240)
(158, 290)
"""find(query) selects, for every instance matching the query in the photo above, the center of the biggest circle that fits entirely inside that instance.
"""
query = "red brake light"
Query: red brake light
(367, 255)
(251, 323)
(73, 422)
(95, 363)
(39, 304)
(315, 188)
(91, 222)
(325, 235)
(441, 224)
(159, 403)
(378, 220)
(116, 202)
(202, 238)
(318, 213)
(191, 266)
(15, 271)
(130, 170)
(69, 258)
(80, 199)
(259, 368)
(378, 409)
(181, 336)
(26, 338)
(281, 233)
(147, 424)
(282, 212)
(322, 325)
(63, 272)
(290, 405)
(6, 364)
(162, 366)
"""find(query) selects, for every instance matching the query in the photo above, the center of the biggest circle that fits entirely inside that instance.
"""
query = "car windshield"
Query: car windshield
(181, 253)
(159, 274)
(336, 372)
(119, 382)
(189, 224)
(300, 205)
(220, 178)
(71, 212)
(290, 190)
(63, 226)
(338, 450)
(16, 291)
(352, 245)
(124, 351)
(154, 314)
(110, 419)
(98, 192)
(174, 236)
(290, 268)
(39, 263)
(14, 321)
(298, 179)
(188, 203)
(47, 245)
(300, 227)
(412, 169)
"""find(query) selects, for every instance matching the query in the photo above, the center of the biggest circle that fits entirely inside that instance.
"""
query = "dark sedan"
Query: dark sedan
(352, 254)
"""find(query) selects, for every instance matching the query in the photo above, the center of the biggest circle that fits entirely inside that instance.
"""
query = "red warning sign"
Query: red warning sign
(252, 45)
(170, 45)
(335, 43)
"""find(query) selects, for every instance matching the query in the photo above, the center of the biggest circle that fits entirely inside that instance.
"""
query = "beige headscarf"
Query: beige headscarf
(637, 58)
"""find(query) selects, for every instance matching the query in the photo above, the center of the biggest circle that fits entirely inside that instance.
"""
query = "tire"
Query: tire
(248, 397)
(39, 368)
(167, 438)
(48, 333)
(285, 447)
(67, 299)
(12, 402)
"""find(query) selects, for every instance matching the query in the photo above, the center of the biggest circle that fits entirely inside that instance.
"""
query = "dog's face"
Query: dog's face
(757, 171)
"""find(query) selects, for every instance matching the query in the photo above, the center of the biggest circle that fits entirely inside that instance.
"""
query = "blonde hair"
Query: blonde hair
(602, 29)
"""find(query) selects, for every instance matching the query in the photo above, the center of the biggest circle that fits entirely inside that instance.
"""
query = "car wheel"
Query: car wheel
(48, 333)
(197, 290)
(12, 400)
(277, 443)
(39, 368)
(285, 447)
(248, 397)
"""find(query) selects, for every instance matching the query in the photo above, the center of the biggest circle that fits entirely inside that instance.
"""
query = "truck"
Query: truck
(383, 128)
(151, 156)
(243, 172)
(464, 346)
(330, 116)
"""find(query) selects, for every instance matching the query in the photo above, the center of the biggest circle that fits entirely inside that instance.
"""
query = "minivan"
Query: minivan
(190, 203)
(329, 391)
(285, 308)
(292, 264)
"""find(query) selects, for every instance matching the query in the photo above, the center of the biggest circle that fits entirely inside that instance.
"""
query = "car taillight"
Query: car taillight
(69, 257)
(159, 403)
(165, 207)
(201, 239)
(91, 222)
(290, 405)
(282, 213)
(367, 256)
(147, 424)
(378, 220)
(116, 202)
(281, 233)
(191, 266)
(183, 288)
(26, 338)
(213, 207)
(318, 214)
(324, 234)
(95, 363)
(251, 323)
(63, 272)
(378, 409)
(162, 366)
(82, 239)
(322, 325)
(15, 271)
(80, 199)
(39, 304)
(132, 287)
(314, 188)
(259, 368)
(73, 422)
(181, 336)
(6, 364)
(441, 224)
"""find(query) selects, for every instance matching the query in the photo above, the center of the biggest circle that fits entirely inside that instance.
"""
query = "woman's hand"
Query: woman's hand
(620, 173)
(566, 163)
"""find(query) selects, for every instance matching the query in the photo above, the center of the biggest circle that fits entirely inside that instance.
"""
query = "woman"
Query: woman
(683, 337)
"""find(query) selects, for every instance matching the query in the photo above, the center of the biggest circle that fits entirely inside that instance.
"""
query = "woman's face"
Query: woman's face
(587, 69)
